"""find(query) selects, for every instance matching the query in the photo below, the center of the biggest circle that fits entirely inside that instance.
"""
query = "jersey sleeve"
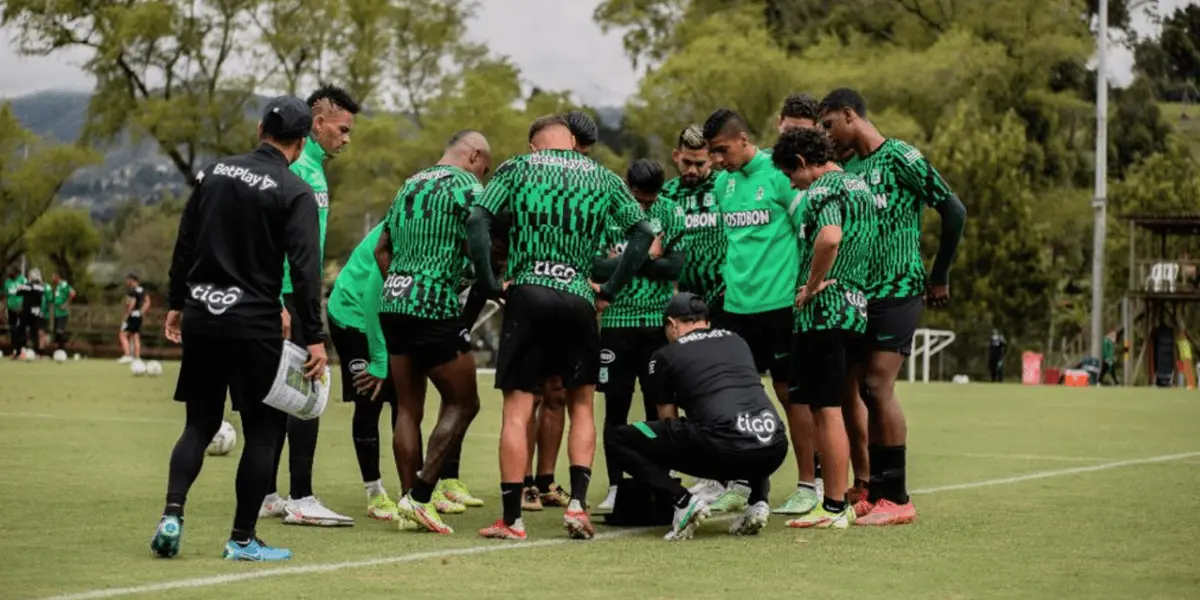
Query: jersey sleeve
(623, 207)
(830, 211)
(467, 191)
(657, 373)
(674, 229)
(376, 345)
(915, 172)
(498, 194)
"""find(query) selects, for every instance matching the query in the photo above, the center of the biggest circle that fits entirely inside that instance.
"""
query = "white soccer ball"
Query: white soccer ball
(78, 356)
(960, 378)
(60, 356)
(29, 355)
(154, 368)
(138, 368)
(224, 441)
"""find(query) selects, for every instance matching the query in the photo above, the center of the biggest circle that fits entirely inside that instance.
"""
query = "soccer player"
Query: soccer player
(838, 231)
(731, 432)
(799, 111)
(585, 130)
(902, 183)
(559, 200)
(631, 329)
(61, 296)
(33, 314)
(760, 270)
(996, 348)
(245, 214)
(12, 299)
(333, 117)
(131, 327)
(423, 247)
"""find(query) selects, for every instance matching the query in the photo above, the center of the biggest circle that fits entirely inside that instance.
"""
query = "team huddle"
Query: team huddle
(802, 261)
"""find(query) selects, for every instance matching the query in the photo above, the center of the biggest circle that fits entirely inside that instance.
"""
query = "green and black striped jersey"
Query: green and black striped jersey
(427, 226)
(641, 303)
(560, 202)
(704, 234)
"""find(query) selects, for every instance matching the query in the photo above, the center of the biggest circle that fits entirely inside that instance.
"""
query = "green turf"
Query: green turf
(83, 461)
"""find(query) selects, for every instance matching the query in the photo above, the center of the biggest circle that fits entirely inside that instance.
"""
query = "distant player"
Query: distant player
(761, 266)
(33, 315)
(838, 233)
(12, 300)
(559, 200)
(136, 306)
(997, 346)
(731, 432)
(631, 329)
(61, 294)
(902, 182)
(423, 248)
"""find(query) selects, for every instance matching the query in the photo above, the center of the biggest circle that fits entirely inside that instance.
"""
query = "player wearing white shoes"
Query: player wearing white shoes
(731, 432)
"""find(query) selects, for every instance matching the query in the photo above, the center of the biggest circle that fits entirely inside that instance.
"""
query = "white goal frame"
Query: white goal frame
(926, 343)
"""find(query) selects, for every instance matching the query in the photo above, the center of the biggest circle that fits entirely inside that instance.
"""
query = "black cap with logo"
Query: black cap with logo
(287, 118)
(686, 305)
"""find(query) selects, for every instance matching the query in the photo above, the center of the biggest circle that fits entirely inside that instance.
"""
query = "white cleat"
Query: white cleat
(707, 489)
(609, 501)
(273, 507)
(687, 519)
(311, 511)
(124, 360)
(752, 521)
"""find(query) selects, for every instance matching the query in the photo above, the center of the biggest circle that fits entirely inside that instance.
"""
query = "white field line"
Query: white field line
(1092, 459)
(200, 582)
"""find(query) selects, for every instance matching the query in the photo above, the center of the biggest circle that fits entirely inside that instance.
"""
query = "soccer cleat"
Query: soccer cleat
(311, 511)
(273, 506)
(687, 519)
(500, 531)
(381, 507)
(820, 518)
(405, 524)
(802, 501)
(733, 500)
(556, 496)
(610, 500)
(124, 360)
(255, 551)
(707, 489)
(445, 505)
(531, 499)
(886, 512)
(855, 494)
(577, 522)
(167, 536)
(425, 515)
(752, 521)
(457, 491)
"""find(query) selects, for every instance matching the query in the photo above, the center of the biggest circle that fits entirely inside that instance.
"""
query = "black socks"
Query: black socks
(510, 496)
(581, 477)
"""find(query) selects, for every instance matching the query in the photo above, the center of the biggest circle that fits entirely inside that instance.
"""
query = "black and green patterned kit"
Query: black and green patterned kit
(642, 301)
(704, 234)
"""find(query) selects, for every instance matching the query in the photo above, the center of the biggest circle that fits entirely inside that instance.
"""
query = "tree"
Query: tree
(292, 58)
(66, 240)
(1172, 61)
(31, 173)
(147, 245)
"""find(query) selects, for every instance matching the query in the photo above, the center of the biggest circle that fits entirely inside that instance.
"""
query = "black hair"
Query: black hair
(646, 175)
(583, 127)
(842, 98)
(133, 276)
(724, 121)
(812, 145)
(800, 106)
(338, 96)
(691, 138)
(546, 122)
(459, 135)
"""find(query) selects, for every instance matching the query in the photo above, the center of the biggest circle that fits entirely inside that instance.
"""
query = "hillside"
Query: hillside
(1185, 120)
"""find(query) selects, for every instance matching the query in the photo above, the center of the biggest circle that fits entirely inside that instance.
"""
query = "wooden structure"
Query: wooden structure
(1164, 281)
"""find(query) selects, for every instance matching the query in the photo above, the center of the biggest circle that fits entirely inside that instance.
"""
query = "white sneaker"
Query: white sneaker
(707, 489)
(752, 521)
(310, 511)
(124, 360)
(273, 507)
(687, 519)
(610, 500)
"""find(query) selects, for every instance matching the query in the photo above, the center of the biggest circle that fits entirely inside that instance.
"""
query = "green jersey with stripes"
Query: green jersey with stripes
(642, 301)
(354, 302)
(428, 228)
(311, 168)
(704, 234)
(761, 261)
(837, 199)
(560, 202)
(902, 183)
(12, 292)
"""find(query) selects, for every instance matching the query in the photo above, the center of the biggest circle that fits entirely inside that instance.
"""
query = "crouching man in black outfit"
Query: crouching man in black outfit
(731, 432)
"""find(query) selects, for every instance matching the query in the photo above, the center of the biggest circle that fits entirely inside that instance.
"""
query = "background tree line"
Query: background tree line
(999, 94)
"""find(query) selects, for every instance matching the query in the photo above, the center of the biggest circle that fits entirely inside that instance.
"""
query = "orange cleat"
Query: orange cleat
(578, 524)
(886, 512)
(500, 531)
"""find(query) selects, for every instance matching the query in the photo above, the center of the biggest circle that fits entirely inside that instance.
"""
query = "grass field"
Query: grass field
(1023, 493)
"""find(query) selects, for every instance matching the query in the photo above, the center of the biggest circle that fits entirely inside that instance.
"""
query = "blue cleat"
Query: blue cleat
(256, 551)
(165, 543)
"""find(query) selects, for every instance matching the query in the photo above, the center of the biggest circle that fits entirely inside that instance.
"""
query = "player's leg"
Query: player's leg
(36, 336)
(551, 423)
(773, 330)
(135, 341)
(123, 337)
(60, 332)
(578, 363)
(531, 497)
(618, 372)
(856, 417)
(451, 485)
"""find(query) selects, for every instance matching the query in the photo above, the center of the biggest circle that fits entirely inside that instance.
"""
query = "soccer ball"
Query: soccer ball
(60, 356)
(224, 441)
(29, 355)
(78, 356)
(137, 367)
(154, 368)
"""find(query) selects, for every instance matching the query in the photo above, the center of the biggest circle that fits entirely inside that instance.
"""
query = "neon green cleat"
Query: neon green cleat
(381, 507)
(820, 518)
(403, 523)
(733, 500)
(801, 502)
(445, 505)
(456, 491)
(424, 515)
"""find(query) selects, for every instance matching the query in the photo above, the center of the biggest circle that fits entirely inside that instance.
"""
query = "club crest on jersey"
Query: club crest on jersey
(709, 199)
(357, 366)
(603, 374)
(876, 177)
(729, 187)
(656, 225)
(759, 194)
(216, 300)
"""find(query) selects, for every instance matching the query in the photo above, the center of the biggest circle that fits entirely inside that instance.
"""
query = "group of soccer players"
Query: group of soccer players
(34, 306)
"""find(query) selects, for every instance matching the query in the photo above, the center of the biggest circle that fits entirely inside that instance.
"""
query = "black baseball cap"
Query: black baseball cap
(287, 118)
(686, 305)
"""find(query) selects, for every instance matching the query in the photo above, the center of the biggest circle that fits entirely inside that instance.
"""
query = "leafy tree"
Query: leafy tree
(66, 240)
(146, 247)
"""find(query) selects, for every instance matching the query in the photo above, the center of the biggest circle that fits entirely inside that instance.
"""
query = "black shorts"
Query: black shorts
(430, 342)
(211, 366)
(821, 367)
(891, 323)
(769, 335)
(132, 325)
(547, 332)
(681, 445)
(354, 356)
(625, 356)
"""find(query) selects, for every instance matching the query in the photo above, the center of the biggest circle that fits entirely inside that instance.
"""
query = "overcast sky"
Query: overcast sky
(554, 42)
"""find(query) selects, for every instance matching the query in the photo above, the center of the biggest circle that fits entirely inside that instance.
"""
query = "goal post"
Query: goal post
(926, 343)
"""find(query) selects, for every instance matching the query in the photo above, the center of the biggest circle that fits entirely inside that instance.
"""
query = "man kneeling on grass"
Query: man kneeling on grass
(732, 431)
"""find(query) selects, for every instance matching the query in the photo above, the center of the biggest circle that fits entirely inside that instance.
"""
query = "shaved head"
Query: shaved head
(468, 139)
(469, 150)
